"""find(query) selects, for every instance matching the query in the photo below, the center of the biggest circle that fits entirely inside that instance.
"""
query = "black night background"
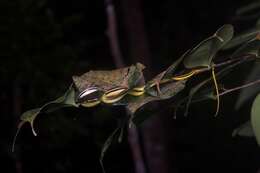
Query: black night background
(45, 42)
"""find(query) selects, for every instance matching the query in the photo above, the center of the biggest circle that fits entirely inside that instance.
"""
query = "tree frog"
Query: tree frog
(108, 86)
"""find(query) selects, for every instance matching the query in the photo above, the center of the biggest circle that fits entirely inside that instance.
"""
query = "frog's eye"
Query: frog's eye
(89, 94)
(114, 95)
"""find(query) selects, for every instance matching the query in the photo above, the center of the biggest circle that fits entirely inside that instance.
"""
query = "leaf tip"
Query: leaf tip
(33, 130)
(16, 134)
(102, 165)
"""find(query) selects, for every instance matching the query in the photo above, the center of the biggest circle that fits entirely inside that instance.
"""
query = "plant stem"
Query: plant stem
(198, 71)
(239, 87)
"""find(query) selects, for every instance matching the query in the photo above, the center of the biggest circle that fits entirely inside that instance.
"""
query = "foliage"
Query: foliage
(250, 43)
(127, 86)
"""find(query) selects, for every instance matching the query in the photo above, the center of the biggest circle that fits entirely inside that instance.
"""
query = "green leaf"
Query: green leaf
(67, 100)
(106, 146)
(29, 116)
(244, 130)
(248, 8)
(222, 73)
(248, 93)
(192, 92)
(251, 47)
(167, 91)
(169, 72)
(134, 103)
(225, 33)
(117, 133)
(242, 38)
(255, 118)
(203, 54)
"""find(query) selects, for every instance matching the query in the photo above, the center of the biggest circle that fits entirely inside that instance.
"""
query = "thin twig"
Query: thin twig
(230, 65)
(232, 60)
(227, 63)
(240, 87)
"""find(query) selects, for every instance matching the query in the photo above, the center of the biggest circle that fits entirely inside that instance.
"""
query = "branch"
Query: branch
(239, 87)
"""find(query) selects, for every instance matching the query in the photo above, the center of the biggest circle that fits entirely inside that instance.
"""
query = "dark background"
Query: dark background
(45, 42)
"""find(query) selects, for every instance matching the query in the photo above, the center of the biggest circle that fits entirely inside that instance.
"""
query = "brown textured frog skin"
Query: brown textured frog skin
(110, 86)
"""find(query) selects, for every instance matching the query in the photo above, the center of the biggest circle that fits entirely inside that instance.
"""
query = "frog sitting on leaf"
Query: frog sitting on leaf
(108, 87)
(127, 85)
(92, 88)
